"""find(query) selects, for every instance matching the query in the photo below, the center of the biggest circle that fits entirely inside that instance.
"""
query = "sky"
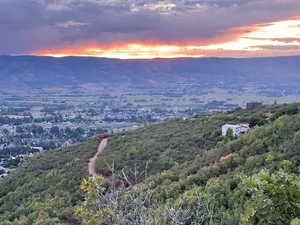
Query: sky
(150, 28)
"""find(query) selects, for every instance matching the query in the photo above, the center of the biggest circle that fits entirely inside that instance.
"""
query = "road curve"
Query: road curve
(92, 161)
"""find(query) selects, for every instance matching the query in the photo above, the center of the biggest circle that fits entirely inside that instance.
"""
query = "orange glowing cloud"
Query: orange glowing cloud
(270, 35)
(262, 40)
(126, 51)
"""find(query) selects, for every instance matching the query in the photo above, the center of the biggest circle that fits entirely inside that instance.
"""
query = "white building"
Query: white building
(37, 148)
(237, 129)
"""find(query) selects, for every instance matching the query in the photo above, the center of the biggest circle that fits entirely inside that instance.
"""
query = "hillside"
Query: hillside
(170, 144)
(211, 181)
(29, 72)
(173, 171)
(46, 186)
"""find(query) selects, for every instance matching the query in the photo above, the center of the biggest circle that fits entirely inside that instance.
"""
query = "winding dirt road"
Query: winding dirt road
(92, 162)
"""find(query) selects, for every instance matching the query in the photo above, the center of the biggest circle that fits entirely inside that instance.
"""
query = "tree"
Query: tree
(94, 189)
(54, 131)
(256, 121)
(229, 135)
(104, 206)
(295, 222)
(6, 132)
(78, 132)
(275, 199)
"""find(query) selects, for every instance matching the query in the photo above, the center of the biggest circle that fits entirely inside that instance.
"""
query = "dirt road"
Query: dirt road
(92, 162)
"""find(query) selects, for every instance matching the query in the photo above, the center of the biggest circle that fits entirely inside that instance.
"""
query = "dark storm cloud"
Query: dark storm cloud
(31, 25)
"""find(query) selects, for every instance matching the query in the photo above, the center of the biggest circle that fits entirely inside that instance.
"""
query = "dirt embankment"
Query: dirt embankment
(92, 162)
(116, 182)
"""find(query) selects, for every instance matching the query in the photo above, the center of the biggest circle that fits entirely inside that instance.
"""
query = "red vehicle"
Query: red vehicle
(103, 135)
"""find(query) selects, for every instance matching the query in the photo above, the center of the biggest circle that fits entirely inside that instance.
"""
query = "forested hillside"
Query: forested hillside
(45, 188)
(181, 171)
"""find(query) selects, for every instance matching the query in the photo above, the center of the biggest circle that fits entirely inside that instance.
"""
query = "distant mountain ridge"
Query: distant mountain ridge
(48, 72)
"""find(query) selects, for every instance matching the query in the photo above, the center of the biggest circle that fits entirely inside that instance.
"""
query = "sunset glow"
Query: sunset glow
(127, 51)
(266, 39)
(283, 33)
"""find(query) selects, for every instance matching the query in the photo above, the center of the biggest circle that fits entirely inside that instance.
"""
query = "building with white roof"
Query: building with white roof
(237, 129)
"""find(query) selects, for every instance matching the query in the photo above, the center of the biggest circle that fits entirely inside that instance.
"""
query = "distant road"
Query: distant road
(92, 162)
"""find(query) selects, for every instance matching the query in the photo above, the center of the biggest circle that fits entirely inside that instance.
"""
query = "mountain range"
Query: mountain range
(29, 72)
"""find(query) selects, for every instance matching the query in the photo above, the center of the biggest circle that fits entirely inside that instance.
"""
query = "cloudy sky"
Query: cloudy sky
(150, 28)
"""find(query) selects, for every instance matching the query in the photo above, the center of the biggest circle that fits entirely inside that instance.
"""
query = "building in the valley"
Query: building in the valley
(253, 105)
(237, 129)
(37, 148)
(67, 143)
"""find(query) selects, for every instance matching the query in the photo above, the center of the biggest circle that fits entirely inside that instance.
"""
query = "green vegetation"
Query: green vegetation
(275, 198)
(177, 172)
(181, 143)
(260, 199)
(203, 178)
(160, 147)
(45, 187)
